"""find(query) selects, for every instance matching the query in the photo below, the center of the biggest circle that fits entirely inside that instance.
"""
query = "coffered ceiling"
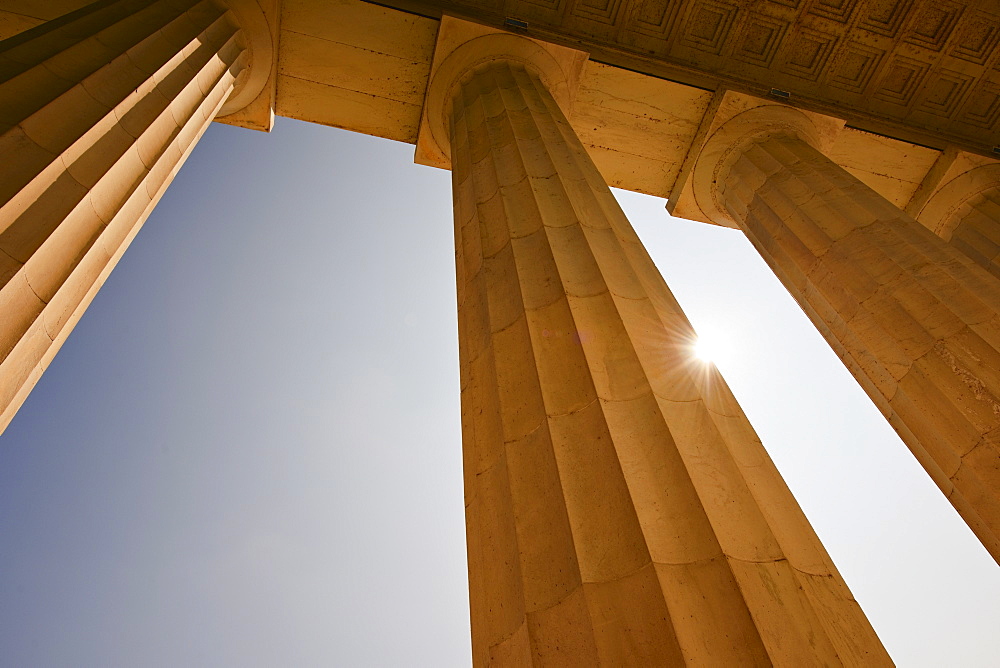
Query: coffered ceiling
(926, 71)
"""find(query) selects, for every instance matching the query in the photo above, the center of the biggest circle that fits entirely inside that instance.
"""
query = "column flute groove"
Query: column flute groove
(98, 111)
(978, 232)
(620, 509)
(912, 316)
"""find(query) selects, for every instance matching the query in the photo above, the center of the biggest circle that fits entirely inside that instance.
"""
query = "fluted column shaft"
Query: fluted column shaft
(620, 509)
(98, 110)
(912, 317)
(978, 232)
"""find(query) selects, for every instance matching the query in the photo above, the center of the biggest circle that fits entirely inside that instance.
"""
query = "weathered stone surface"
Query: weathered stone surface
(912, 316)
(620, 509)
(962, 205)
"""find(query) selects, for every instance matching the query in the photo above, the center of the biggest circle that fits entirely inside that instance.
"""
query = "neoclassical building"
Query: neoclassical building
(620, 509)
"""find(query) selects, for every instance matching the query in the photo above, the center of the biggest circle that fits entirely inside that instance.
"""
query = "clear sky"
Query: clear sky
(248, 452)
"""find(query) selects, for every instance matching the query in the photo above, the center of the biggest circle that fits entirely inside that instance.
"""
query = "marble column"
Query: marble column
(620, 509)
(98, 110)
(915, 320)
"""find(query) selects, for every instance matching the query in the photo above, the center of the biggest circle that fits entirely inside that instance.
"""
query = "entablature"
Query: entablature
(657, 70)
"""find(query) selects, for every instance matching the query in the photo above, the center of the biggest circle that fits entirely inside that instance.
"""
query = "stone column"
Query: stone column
(914, 319)
(98, 110)
(978, 232)
(965, 210)
(620, 509)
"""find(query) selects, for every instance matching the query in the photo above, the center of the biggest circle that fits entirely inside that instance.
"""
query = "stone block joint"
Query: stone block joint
(620, 509)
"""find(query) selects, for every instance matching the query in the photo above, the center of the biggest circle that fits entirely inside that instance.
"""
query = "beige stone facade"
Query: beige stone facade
(620, 509)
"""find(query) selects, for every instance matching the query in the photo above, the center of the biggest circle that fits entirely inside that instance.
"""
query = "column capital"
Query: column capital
(461, 48)
(945, 208)
(251, 104)
(732, 122)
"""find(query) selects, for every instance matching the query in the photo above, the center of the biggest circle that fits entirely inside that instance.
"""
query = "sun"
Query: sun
(708, 347)
(702, 350)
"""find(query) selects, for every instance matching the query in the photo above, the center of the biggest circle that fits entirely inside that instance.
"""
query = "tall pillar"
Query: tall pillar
(98, 110)
(914, 318)
(978, 232)
(965, 211)
(620, 509)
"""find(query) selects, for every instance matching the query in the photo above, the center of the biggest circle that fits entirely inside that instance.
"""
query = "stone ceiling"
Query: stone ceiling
(926, 71)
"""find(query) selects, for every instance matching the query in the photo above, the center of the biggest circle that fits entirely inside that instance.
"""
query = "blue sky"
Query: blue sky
(248, 452)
